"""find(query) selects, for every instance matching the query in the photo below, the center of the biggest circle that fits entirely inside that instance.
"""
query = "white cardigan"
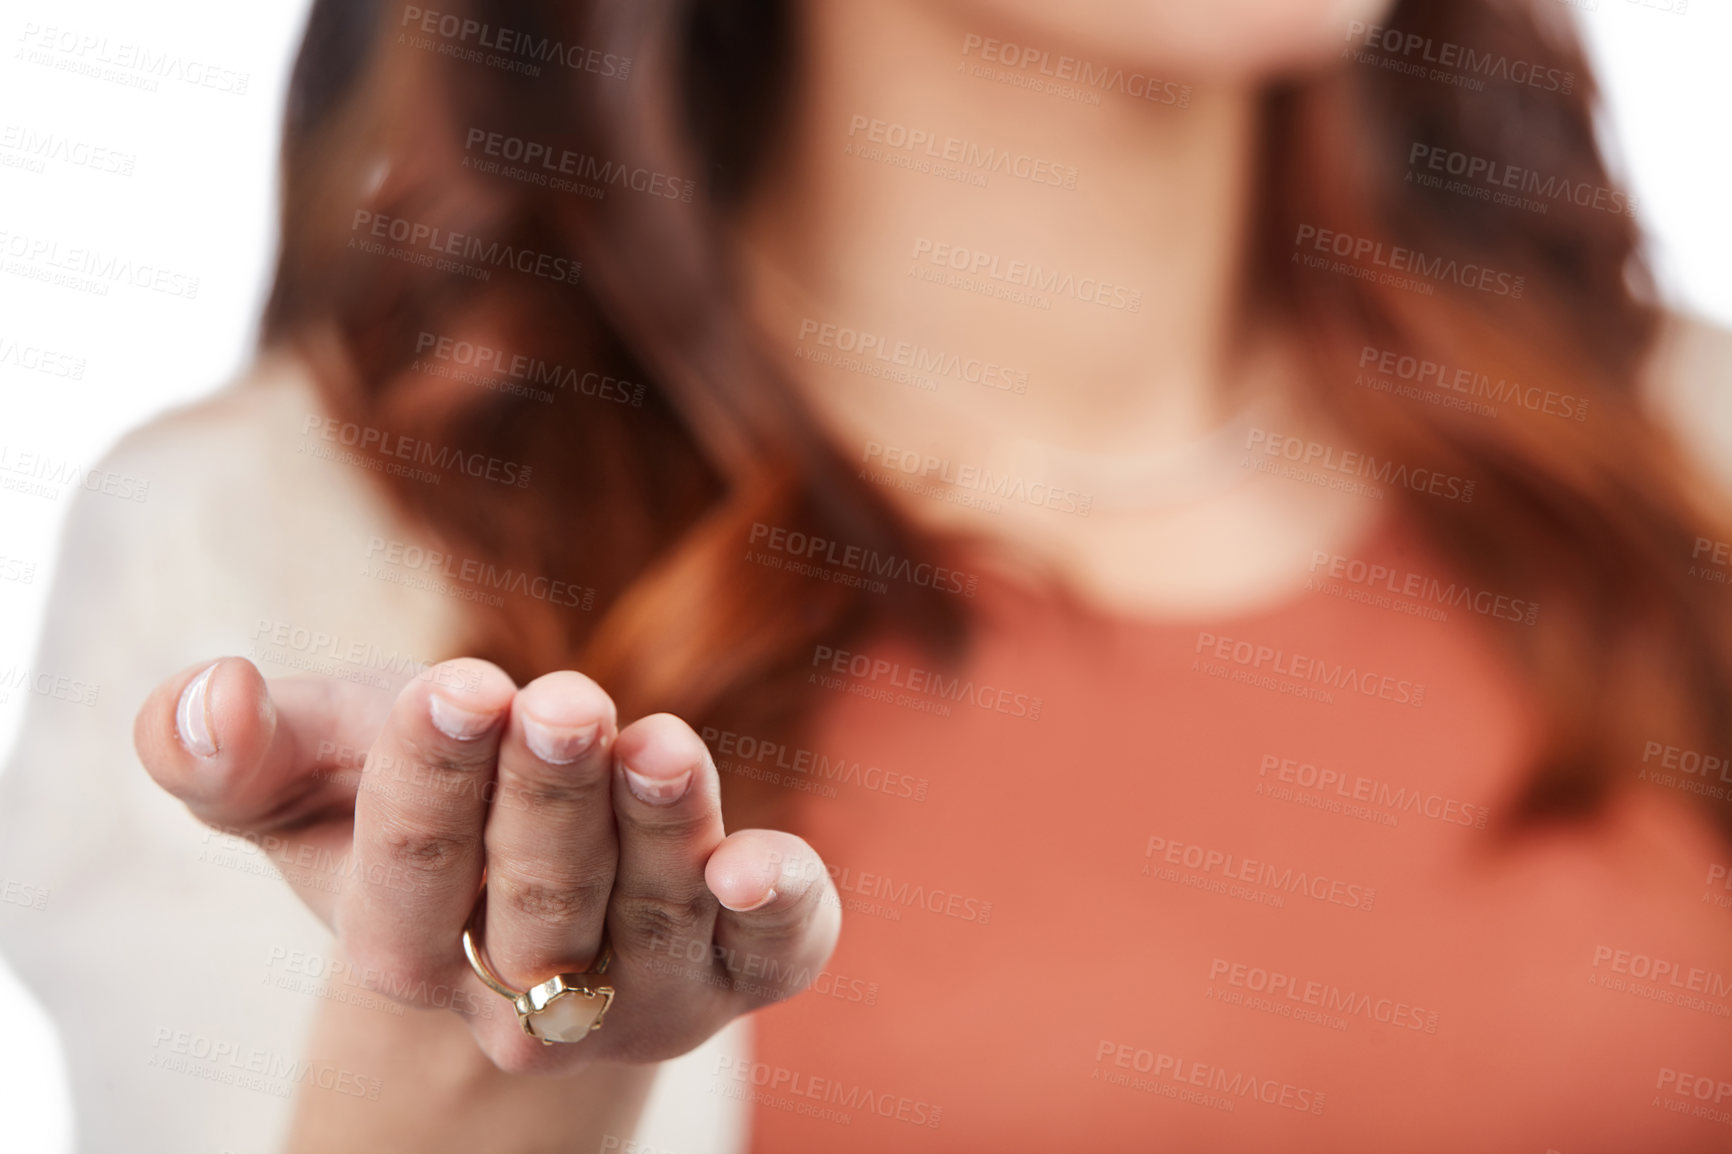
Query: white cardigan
(181, 972)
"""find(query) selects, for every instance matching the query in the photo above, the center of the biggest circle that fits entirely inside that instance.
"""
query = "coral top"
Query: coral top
(1228, 886)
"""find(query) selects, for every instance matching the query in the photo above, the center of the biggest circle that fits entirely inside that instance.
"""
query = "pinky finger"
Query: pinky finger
(780, 915)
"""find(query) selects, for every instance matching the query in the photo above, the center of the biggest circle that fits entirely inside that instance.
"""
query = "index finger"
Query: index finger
(417, 858)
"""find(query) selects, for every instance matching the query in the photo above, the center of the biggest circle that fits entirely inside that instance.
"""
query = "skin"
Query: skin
(1161, 205)
(621, 827)
(568, 846)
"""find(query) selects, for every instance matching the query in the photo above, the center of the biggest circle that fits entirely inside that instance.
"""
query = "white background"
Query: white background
(200, 200)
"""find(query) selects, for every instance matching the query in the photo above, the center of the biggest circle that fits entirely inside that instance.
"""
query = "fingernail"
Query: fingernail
(192, 716)
(656, 790)
(757, 905)
(456, 723)
(558, 746)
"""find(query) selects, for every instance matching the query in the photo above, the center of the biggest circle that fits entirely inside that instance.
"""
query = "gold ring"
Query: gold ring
(565, 1008)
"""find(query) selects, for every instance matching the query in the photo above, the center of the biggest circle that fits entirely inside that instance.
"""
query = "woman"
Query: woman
(1149, 515)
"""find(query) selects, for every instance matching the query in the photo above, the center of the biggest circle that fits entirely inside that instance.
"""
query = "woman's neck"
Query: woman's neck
(989, 281)
(1120, 223)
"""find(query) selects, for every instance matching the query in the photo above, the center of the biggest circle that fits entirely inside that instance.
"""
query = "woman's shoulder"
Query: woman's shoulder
(1691, 351)
(204, 532)
(251, 448)
(1689, 383)
(244, 500)
(210, 531)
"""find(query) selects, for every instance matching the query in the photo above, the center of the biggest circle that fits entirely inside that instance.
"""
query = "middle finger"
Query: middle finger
(550, 838)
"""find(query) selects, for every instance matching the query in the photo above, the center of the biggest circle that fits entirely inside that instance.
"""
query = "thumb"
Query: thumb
(252, 755)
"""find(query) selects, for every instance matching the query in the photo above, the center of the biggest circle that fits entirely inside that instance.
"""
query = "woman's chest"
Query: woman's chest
(1230, 890)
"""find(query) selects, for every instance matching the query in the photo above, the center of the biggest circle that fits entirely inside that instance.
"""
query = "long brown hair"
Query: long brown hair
(396, 236)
